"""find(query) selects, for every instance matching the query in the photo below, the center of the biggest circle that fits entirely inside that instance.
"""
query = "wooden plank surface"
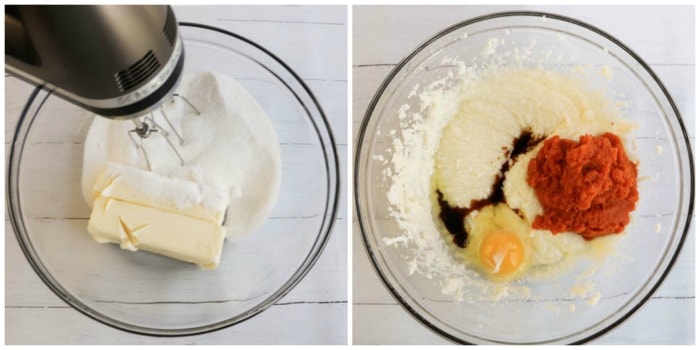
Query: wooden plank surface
(312, 40)
(660, 35)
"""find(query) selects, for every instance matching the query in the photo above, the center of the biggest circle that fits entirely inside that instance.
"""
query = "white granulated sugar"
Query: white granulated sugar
(232, 146)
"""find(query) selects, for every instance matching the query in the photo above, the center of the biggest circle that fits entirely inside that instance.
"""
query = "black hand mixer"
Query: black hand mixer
(119, 62)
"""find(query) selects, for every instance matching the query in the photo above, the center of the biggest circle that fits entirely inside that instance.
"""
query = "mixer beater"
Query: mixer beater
(147, 125)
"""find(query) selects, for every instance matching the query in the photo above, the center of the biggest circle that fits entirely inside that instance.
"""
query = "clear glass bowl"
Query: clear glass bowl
(150, 294)
(666, 200)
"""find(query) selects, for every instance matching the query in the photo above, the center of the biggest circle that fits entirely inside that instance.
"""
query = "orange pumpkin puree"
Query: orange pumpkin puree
(588, 187)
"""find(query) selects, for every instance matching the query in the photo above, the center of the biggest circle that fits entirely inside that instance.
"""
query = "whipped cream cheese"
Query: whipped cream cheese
(135, 227)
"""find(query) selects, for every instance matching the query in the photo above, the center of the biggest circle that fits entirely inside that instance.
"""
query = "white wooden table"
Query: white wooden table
(662, 36)
(313, 41)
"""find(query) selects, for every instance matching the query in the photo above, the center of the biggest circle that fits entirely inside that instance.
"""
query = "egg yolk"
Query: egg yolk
(501, 253)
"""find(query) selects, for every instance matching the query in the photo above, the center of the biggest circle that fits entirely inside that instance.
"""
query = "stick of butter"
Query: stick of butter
(139, 209)
(134, 185)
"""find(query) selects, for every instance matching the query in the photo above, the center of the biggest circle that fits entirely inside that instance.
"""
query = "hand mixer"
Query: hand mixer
(120, 62)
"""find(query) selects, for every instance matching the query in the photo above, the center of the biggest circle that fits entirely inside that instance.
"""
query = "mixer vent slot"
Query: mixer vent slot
(170, 28)
(137, 72)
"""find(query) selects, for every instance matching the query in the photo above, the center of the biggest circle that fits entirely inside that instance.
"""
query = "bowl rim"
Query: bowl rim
(395, 71)
(326, 226)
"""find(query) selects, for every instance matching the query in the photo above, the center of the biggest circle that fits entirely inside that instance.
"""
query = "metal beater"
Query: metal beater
(147, 125)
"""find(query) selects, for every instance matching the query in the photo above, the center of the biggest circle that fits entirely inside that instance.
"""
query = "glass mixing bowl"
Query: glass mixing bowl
(666, 198)
(150, 294)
